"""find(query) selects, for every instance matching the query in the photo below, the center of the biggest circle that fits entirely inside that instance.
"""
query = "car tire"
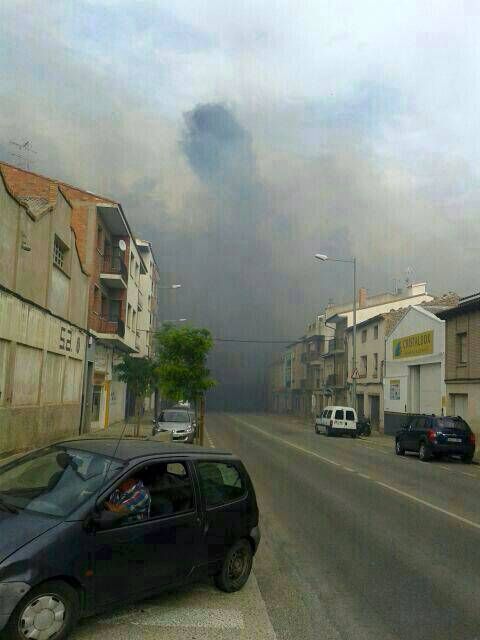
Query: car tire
(353, 435)
(60, 600)
(467, 458)
(316, 429)
(399, 450)
(236, 567)
(424, 453)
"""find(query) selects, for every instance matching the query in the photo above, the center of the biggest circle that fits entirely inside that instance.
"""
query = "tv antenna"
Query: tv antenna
(23, 149)
(409, 271)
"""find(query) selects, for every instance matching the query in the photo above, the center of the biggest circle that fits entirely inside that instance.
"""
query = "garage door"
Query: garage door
(430, 388)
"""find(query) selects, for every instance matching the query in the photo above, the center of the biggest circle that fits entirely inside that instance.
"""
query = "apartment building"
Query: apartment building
(94, 282)
(115, 267)
(462, 360)
(43, 313)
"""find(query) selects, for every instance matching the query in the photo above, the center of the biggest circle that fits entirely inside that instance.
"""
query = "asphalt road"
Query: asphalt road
(357, 542)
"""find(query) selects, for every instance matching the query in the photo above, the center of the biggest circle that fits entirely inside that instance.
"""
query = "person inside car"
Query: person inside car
(131, 498)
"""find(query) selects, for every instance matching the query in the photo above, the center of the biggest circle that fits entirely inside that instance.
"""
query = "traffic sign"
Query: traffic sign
(355, 374)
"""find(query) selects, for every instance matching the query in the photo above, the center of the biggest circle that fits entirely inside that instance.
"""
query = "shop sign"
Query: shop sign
(418, 344)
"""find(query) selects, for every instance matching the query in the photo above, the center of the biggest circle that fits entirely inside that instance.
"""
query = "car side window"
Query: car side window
(329, 413)
(350, 415)
(421, 422)
(339, 414)
(221, 482)
(170, 488)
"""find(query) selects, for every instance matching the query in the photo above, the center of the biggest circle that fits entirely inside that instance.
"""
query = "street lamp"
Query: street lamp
(323, 258)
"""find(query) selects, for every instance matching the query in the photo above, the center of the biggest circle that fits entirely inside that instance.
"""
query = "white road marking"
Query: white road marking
(194, 617)
(349, 469)
(364, 475)
(425, 503)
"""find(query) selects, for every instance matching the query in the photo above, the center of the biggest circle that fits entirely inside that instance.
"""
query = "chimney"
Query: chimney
(362, 298)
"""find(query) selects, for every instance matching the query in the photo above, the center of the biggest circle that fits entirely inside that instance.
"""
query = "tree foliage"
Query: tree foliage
(182, 356)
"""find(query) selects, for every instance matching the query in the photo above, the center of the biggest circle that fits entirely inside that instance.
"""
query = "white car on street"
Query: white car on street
(335, 420)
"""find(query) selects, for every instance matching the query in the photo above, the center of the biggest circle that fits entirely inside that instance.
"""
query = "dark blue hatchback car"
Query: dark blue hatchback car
(63, 554)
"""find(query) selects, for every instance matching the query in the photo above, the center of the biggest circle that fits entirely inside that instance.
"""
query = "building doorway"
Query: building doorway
(375, 412)
(360, 404)
(460, 404)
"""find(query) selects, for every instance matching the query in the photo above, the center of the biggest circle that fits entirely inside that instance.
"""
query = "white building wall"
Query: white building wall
(403, 382)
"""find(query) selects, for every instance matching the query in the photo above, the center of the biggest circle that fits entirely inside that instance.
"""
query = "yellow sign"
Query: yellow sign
(419, 344)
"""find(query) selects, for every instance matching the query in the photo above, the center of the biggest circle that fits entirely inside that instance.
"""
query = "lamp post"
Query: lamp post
(323, 258)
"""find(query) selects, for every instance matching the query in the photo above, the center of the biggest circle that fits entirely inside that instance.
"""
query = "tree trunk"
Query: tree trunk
(138, 404)
(202, 420)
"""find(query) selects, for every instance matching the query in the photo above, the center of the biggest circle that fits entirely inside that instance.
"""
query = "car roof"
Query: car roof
(131, 448)
(338, 406)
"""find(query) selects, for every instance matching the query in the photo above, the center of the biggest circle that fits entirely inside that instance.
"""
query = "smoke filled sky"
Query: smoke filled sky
(243, 137)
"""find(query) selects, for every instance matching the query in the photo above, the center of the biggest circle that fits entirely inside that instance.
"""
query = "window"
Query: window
(134, 320)
(100, 238)
(363, 365)
(329, 414)
(132, 264)
(462, 356)
(96, 299)
(129, 315)
(317, 383)
(115, 309)
(364, 335)
(349, 415)
(375, 332)
(59, 252)
(221, 482)
(375, 365)
(339, 414)
(170, 488)
(104, 306)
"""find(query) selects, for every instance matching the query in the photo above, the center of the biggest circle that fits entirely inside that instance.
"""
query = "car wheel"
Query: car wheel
(236, 567)
(316, 428)
(424, 453)
(48, 611)
(468, 458)
(399, 450)
(353, 435)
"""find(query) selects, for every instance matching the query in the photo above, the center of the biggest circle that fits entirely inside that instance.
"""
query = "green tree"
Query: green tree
(182, 356)
(140, 374)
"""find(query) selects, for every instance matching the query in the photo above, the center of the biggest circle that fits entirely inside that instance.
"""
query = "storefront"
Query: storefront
(414, 380)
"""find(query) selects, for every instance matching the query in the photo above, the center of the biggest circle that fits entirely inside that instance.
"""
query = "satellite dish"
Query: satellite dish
(121, 245)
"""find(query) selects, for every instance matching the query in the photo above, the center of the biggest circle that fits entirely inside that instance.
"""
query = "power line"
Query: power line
(286, 341)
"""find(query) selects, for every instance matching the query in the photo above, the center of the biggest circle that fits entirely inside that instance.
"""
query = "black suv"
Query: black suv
(434, 436)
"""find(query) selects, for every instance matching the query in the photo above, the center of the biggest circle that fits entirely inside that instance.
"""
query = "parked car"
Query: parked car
(335, 420)
(433, 436)
(63, 555)
(179, 422)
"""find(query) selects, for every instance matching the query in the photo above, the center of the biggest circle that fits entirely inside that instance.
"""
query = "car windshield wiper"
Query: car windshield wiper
(7, 507)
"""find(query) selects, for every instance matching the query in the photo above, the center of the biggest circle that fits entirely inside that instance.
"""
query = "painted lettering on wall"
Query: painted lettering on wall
(418, 344)
(65, 342)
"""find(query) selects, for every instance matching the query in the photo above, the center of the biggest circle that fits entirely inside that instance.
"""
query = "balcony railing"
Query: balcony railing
(336, 346)
(115, 266)
(105, 325)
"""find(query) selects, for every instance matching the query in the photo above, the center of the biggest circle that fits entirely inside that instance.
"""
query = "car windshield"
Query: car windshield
(452, 423)
(174, 416)
(55, 481)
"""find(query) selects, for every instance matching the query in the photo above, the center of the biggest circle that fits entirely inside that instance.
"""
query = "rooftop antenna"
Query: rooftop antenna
(409, 276)
(23, 149)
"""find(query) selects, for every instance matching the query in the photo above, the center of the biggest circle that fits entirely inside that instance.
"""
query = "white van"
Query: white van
(334, 420)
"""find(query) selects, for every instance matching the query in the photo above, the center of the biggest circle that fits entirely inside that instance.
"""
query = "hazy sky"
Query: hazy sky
(245, 136)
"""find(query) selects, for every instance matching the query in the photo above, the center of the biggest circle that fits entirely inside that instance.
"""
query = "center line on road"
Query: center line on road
(425, 503)
(389, 487)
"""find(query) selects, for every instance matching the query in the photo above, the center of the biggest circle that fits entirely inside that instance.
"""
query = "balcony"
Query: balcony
(137, 340)
(106, 326)
(140, 300)
(336, 346)
(114, 273)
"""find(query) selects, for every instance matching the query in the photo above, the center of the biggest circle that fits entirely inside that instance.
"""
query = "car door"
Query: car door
(225, 499)
(339, 419)
(406, 437)
(417, 433)
(143, 557)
